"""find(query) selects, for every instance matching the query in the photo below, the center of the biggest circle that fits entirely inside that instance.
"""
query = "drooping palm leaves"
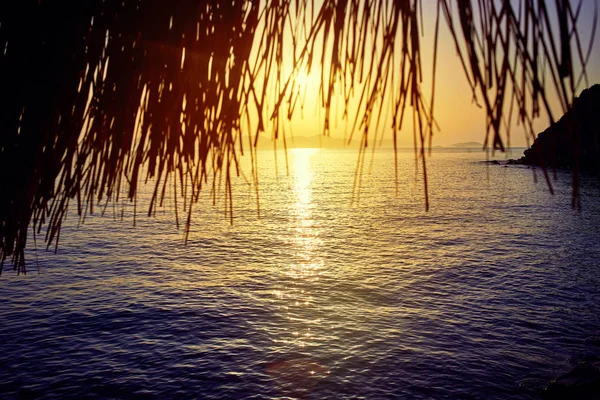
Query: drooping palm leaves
(99, 96)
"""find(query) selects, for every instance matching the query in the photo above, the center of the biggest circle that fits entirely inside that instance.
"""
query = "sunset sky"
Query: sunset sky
(460, 120)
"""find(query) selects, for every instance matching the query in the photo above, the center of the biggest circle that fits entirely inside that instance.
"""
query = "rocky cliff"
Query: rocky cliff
(574, 140)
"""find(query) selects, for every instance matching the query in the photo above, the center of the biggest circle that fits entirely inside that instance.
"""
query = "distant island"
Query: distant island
(467, 145)
(573, 141)
(300, 141)
(330, 142)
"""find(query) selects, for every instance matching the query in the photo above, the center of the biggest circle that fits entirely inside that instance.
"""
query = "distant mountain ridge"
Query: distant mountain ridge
(467, 145)
(322, 141)
(314, 141)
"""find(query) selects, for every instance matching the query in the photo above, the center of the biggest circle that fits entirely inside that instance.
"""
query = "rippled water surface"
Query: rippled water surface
(491, 294)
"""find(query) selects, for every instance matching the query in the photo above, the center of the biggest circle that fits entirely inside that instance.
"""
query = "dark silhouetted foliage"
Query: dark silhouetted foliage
(98, 96)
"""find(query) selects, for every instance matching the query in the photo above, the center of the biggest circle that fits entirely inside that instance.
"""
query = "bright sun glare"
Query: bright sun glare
(306, 80)
(303, 173)
(301, 79)
(307, 233)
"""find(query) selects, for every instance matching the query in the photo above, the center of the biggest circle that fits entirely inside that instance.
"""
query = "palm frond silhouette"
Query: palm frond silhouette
(98, 96)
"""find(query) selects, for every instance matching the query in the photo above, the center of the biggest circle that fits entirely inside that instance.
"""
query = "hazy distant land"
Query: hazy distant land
(329, 142)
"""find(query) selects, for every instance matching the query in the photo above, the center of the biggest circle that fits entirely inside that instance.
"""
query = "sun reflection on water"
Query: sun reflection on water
(300, 277)
(306, 236)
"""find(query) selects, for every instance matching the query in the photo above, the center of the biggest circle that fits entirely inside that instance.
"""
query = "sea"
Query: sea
(328, 282)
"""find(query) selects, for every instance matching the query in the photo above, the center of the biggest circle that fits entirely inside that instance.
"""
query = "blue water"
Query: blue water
(331, 293)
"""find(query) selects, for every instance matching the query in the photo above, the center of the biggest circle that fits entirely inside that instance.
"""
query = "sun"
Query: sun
(305, 80)
(302, 79)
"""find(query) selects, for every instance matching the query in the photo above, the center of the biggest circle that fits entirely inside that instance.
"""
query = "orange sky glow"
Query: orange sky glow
(458, 117)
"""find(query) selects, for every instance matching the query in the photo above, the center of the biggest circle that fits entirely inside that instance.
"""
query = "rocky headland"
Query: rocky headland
(573, 141)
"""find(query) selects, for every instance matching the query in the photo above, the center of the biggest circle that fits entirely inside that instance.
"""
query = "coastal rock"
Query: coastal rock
(573, 141)
(583, 382)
